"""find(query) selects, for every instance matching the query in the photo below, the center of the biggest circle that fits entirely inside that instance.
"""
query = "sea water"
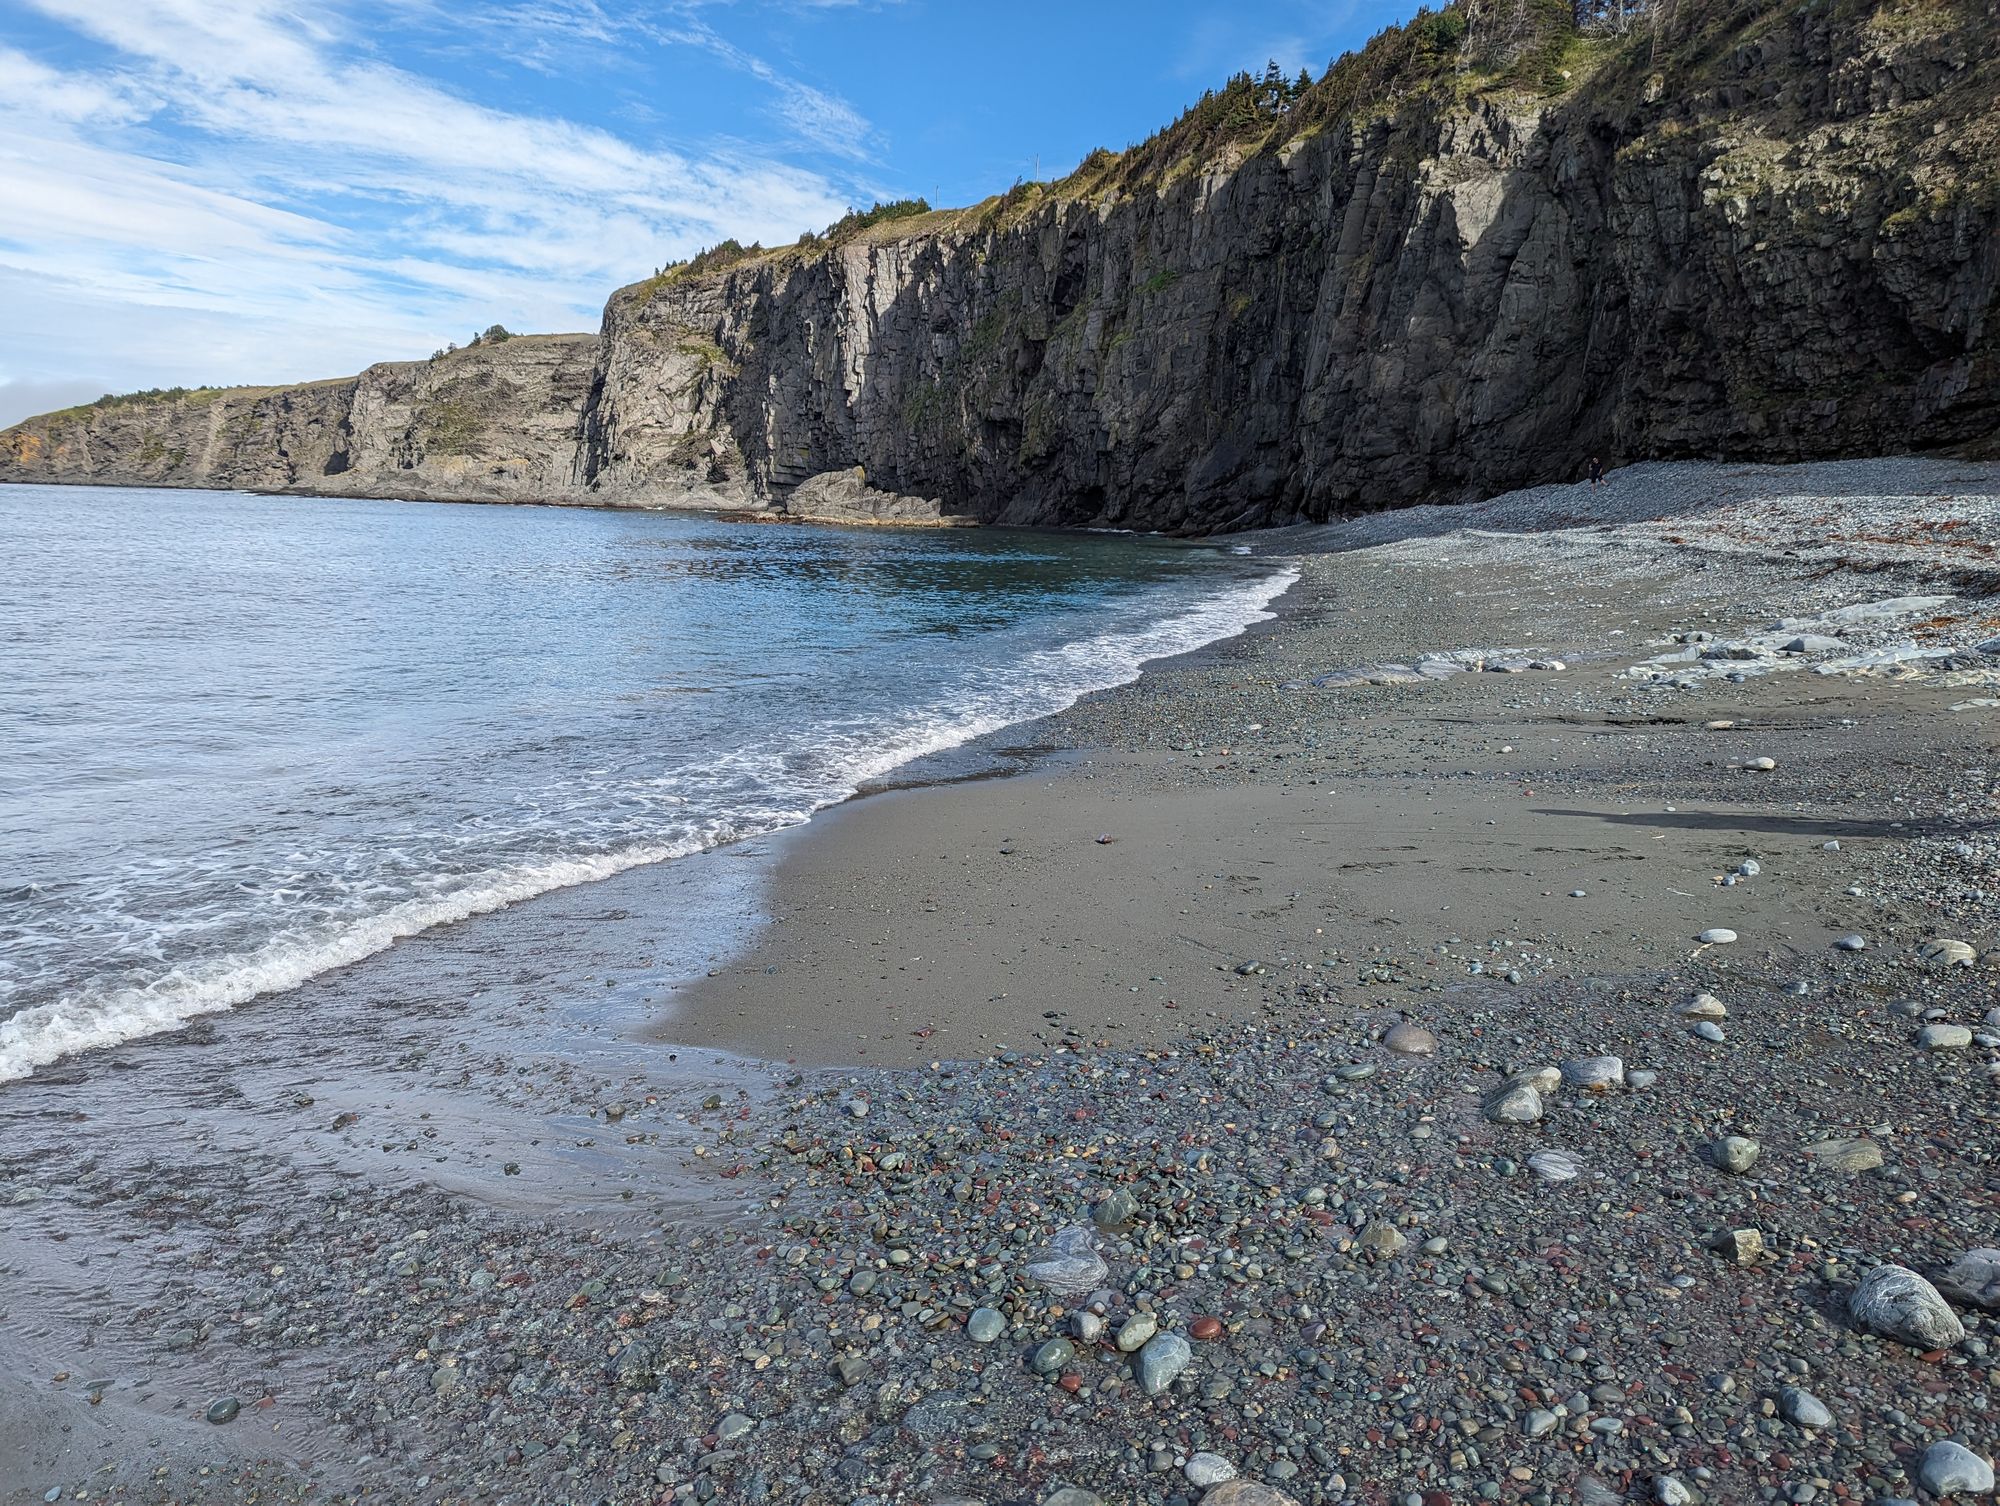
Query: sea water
(247, 739)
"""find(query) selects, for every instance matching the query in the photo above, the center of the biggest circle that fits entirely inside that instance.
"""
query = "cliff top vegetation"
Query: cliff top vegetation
(1534, 49)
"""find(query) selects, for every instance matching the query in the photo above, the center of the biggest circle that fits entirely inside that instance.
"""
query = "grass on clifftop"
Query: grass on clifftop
(190, 395)
(1609, 51)
(730, 253)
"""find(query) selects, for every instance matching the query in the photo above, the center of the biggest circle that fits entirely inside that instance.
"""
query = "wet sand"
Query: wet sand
(948, 921)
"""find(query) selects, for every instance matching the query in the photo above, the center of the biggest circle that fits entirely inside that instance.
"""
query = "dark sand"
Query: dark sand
(931, 923)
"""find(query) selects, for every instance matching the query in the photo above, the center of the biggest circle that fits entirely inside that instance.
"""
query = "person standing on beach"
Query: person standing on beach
(1596, 472)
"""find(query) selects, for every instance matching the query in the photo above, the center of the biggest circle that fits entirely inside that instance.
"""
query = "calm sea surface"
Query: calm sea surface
(247, 739)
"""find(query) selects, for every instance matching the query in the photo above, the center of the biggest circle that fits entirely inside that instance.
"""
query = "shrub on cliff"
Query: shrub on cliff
(855, 221)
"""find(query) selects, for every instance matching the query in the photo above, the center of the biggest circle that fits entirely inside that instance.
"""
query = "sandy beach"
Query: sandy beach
(605, 1199)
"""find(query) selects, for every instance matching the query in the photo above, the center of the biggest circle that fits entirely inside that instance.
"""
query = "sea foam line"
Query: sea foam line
(1039, 685)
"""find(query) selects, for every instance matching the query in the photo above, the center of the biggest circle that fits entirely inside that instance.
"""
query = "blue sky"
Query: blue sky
(255, 190)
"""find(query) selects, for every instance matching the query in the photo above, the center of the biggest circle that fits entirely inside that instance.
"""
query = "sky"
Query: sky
(204, 192)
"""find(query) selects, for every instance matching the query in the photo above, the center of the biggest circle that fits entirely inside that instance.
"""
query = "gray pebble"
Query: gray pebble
(1951, 1469)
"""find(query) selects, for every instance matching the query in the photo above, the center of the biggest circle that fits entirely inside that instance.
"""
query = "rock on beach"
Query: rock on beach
(1973, 1280)
(1952, 1469)
(1897, 1303)
(1164, 1357)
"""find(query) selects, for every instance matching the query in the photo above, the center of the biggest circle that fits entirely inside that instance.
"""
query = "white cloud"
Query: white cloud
(235, 159)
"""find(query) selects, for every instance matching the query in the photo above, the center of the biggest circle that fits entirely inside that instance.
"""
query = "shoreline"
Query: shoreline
(710, 1276)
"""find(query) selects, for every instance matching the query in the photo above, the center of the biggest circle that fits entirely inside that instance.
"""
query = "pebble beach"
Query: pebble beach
(1522, 1025)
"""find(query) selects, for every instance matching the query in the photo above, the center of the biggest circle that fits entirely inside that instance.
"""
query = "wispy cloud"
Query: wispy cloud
(245, 160)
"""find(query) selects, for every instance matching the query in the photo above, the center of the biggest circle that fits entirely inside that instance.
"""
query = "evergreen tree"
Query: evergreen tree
(1272, 92)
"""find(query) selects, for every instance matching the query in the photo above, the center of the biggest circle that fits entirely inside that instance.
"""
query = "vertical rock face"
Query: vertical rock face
(1772, 234)
(492, 423)
(1799, 260)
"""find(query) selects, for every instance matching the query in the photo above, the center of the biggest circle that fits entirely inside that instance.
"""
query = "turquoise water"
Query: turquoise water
(246, 739)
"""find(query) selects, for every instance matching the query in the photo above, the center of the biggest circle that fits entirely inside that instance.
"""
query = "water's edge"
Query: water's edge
(45, 1034)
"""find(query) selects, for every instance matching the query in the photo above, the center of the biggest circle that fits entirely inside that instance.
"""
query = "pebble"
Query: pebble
(1853, 941)
(1164, 1356)
(1734, 1153)
(1538, 1422)
(732, 1427)
(1952, 1469)
(1669, 1491)
(1705, 1007)
(1555, 1166)
(223, 1409)
(1594, 1074)
(1052, 1356)
(1544, 1080)
(1846, 1155)
(1135, 1331)
(1206, 1328)
(1519, 1104)
(1072, 1495)
(1381, 1238)
(1203, 1470)
(985, 1325)
(1411, 1040)
(1897, 1303)
(1803, 1409)
(1743, 1246)
(1716, 936)
(1708, 1030)
(1070, 1264)
(1943, 1038)
(1115, 1210)
(1760, 765)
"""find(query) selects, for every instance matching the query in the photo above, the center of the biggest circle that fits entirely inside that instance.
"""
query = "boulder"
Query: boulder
(846, 497)
(1952, 1469)
(1973, 1280)
(1897, 1303)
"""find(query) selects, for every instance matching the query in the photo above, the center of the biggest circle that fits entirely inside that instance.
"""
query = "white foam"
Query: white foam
(1037, 685)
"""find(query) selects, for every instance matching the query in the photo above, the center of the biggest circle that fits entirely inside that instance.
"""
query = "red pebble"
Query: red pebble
(1206, 1328)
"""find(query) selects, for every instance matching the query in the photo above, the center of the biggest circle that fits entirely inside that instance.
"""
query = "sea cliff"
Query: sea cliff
(1451, 267)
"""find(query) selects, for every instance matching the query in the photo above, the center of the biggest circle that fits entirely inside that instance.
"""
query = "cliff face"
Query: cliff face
(1774, 234)
(492, 423)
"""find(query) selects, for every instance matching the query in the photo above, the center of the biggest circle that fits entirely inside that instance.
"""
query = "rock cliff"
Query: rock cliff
(491, 423)
(1762, 231)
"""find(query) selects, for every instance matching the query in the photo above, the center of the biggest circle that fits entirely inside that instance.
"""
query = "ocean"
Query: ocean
(245, 740)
